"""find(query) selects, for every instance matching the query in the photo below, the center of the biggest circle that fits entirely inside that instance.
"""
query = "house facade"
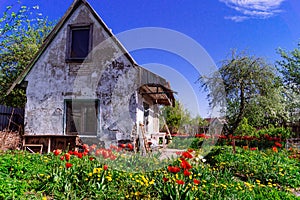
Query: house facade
(84, 82)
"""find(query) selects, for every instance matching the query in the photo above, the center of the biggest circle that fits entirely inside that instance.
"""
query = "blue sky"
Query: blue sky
(258, 26)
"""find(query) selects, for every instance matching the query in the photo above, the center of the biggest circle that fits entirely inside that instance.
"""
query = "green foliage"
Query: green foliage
(251, 90)
(176, 117)
(289, 67)
(22, 33)
(269, 168)
(272, 131)
(245, 129)
(219, 175)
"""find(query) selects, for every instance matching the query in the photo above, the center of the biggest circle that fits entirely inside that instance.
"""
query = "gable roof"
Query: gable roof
(55, 31)
(166, 99)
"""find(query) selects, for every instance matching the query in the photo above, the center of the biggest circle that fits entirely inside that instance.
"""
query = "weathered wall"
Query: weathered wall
(109, 76)
(52, 80)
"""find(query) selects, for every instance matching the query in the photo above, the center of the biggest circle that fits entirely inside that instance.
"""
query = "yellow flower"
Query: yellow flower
(97, 170)
(44, 198)
(90, 174)
(41, 174)
(108, 178)
(152, 182)
(137, 194)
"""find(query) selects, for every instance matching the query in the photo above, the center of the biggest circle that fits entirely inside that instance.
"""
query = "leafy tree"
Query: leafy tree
(289, 67)
(21, 34)
(250, 89)
(244, 128)
(176, 117)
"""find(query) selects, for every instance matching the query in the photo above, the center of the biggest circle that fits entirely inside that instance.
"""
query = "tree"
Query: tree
(289, 67)
(250, 89)
(21, 35)
(176, 117)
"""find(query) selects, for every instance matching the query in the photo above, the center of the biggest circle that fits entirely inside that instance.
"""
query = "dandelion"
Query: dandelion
(152, 182)
(108, 178)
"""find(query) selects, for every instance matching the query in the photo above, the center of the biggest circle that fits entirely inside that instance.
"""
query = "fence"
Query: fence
(11, 118)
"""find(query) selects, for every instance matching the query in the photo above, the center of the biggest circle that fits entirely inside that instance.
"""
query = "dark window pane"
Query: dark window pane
(80, 43)
(82, 117)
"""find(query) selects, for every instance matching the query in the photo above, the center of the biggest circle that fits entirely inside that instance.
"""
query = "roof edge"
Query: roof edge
(54, 32)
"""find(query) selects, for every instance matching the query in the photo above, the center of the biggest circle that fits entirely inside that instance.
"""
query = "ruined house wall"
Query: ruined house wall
(52, 80)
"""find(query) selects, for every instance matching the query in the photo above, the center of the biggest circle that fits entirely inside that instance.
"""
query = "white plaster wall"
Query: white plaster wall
(51, 81)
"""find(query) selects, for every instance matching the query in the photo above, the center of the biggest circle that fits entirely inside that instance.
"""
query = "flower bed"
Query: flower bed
(114, 173)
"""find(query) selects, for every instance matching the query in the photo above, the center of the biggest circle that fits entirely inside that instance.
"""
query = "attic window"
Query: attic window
(79, 42)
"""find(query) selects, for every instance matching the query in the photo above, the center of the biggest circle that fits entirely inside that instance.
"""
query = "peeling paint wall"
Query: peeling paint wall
(109, 77)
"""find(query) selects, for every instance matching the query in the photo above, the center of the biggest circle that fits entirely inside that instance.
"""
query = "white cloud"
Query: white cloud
(237, 18)
(260, 9)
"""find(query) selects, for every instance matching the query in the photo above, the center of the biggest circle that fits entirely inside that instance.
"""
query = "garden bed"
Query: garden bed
(111, 173)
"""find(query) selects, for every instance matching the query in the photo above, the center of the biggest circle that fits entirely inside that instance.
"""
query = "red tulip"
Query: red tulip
(67, 156)
(68, 165)
(130, 146)
(165, 179)
(197, 182)
(187, 155)
(185, 164)
(79, 155)
(173, 169)
(180, 182)
(186, 172)
(105, 167)
(91, 158)
(57, 152)
(278, 144)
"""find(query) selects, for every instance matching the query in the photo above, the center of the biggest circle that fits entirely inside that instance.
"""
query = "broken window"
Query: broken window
(79, 42)
(82, 117)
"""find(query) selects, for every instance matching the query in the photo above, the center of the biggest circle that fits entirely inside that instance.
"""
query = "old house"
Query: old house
(84, 82)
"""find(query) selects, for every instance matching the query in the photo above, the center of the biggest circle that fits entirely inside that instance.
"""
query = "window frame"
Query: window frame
(72, 27)
(82, 118)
